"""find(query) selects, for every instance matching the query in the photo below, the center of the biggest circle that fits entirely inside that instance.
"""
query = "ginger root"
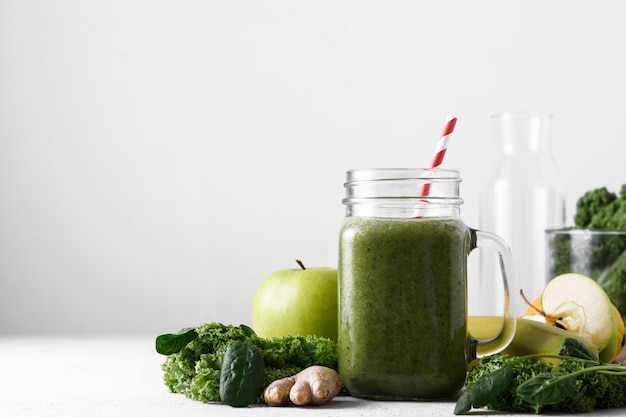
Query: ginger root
(313, 385)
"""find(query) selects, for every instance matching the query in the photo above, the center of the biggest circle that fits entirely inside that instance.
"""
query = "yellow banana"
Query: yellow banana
(531, 337)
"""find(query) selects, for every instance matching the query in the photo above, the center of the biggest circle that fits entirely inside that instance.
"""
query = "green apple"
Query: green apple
(297, 302)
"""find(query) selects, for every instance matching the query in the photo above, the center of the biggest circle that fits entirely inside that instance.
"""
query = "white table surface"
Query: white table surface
(121, 376)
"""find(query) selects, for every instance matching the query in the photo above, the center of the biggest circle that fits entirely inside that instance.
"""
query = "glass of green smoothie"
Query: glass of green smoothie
(403, 331)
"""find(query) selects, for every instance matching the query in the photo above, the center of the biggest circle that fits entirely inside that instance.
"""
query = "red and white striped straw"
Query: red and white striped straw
(440, 149)
(442, 143)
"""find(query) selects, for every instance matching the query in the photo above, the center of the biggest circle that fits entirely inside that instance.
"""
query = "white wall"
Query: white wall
(158, 159)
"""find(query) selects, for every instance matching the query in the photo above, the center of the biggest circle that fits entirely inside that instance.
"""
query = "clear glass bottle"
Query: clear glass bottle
(523, 197)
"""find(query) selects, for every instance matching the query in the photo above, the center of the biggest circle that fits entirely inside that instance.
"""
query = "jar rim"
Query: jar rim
(397, 187)
(390, 174)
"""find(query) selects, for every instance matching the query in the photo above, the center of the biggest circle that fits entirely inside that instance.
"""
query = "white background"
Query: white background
(159, 158)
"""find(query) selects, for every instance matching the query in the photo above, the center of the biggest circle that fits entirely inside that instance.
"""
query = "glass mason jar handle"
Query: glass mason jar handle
(486, 240)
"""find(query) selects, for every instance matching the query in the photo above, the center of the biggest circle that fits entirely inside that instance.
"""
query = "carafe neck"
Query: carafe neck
(522, 133)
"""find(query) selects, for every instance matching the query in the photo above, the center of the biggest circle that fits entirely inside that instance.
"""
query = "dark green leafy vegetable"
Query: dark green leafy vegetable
(613, 281)
(591, 207)
(579, 383)
(242, 374)
(166, 344)
(195, 370)
(577, 349)
(601, 257)
(481, 393)
(548, 388)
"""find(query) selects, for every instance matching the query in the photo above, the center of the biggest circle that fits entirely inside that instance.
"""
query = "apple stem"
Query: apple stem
(551, 320)
(299, 262)
(534, 307)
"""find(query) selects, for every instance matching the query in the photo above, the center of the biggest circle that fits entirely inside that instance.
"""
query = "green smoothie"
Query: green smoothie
(403, 331)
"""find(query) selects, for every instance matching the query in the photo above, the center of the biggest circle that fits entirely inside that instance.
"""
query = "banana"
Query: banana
(531, 337)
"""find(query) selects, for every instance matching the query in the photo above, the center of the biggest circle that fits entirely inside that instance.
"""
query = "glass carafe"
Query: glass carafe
(521, 199)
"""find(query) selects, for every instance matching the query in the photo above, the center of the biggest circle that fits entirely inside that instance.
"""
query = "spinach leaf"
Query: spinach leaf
(247, 330)
(548, 388)
(169, 343)
(484, 390)
(242, 374)
(577, 349)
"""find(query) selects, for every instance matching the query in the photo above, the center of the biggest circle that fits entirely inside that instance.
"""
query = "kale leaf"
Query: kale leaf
(195, 369)
(590, 205)
(574, 385)
(599, 256)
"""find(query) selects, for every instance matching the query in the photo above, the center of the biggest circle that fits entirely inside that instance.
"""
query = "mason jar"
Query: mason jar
(403, 331)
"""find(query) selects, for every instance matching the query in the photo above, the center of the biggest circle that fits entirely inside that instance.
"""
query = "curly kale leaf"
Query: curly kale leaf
(195, 370)
(560, 254)
(599, 256)
(507, 399)
(286, 356)
(590, 204)
(574, 385)
(613, 281)
(298, 351)
(204, 382)
(601, 209)
(611, 216)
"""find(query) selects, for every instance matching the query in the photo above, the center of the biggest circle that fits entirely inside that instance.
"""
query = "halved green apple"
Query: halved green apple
(578, 304)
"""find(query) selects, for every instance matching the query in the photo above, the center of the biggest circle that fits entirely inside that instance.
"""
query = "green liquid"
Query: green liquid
(403, 331)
